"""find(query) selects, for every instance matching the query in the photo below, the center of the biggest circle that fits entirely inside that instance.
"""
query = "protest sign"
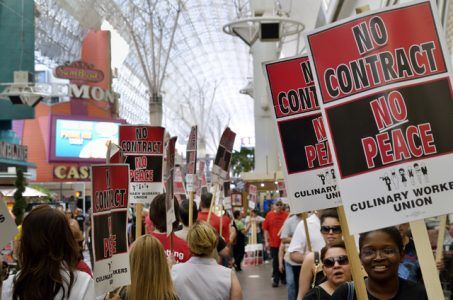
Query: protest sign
(191, 168)
(178, 183)
(169, 179)
(252, 196)
(309, 174)
(142, 147)
(191, 152)
(386, 99)
(282, 189)
(109, 222)
(7, 226)
(223, 157)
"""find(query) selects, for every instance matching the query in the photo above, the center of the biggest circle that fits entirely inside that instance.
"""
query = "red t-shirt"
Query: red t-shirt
(214, 221)
(82, 266)
(226, 228)
(272, 223)
(181, 250)
(148, 225)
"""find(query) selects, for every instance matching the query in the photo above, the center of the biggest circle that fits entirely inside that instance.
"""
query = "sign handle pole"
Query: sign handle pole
(171, 242)
(138, 220)
(109, 150)
(221, 219)
(357, 274)
(440, 238)
(212, 202)
(426, 259)
(191, 194)
(307, 234)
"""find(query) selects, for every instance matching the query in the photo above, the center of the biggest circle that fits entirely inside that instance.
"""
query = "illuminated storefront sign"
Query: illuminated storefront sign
(72, 172)
(78, 73)
(13, 151)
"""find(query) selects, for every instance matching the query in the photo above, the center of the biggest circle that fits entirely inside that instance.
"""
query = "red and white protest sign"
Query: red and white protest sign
(308, 169)
(191, 160)
(178, 183)
(109, 222)
(142, 147)
(169, 179)
(191, 152)
(387, 104)
(223, 157)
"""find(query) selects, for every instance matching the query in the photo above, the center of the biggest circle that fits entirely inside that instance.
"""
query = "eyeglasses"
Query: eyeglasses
(330, 261)
(327, 229)
(279, 204)
(372, 253)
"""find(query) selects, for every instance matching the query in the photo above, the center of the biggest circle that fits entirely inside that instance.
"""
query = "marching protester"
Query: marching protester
(184, 214)
(158, 215)
(311, 273)
(222, 249)
(240, 239)
(201, 277)
(336, 268)
(78, 236)
(205, 206)
(381, 252)
(292, 269)
(48, 257)
(272, 224)
(258, 220)
(150, 273)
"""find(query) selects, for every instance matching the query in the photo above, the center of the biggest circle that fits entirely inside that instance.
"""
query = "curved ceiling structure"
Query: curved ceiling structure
(205, 71)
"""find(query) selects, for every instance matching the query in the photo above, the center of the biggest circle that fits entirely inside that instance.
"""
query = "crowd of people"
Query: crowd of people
(201, 261)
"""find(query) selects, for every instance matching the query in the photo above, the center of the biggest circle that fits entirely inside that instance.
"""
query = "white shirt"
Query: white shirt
(82, 289)
(289, 227)
(299, 240)
(201, 279)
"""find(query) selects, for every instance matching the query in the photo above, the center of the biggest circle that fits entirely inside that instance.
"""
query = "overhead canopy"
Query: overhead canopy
(29, 192)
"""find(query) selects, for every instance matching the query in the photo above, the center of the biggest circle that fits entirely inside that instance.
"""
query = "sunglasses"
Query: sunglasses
(330, 261)
(327, 229)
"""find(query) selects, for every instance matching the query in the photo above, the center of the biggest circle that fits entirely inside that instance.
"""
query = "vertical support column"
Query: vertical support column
(266, 151)
(155, 110)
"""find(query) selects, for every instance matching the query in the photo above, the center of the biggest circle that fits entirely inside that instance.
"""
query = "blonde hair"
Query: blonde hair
(150, 275)
(202, 239)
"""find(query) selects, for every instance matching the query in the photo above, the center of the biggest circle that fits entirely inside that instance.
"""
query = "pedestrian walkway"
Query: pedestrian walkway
(257, 285)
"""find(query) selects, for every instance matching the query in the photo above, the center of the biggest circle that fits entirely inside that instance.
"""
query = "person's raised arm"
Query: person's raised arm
(236, 291)
(306, 275)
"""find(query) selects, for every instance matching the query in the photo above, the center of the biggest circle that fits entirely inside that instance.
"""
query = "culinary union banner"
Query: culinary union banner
(143, 149)
(309, 174)
(386, 99)
(109, 222)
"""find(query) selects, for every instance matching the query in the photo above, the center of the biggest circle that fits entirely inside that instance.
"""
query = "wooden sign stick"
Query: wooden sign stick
(440, 238)
(138, 220)
(353, 255)
(191, 196)
(212, 202)
(221, 219)
(307, 234)
(426, 259)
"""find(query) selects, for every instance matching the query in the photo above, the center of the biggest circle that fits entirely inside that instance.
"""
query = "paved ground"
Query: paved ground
(257, 285)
